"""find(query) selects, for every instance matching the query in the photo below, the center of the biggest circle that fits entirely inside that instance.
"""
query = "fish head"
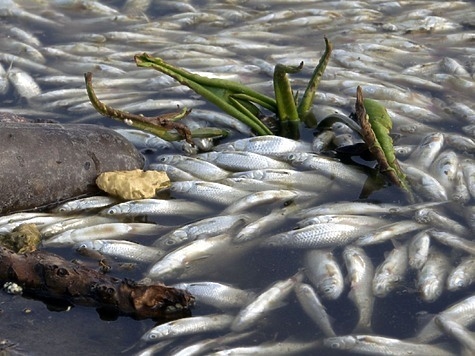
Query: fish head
(340, 342)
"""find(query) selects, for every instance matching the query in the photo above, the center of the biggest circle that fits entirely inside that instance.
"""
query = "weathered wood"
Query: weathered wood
(49, 277)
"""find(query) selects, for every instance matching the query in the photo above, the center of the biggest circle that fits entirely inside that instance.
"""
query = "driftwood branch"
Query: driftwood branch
(52, 279)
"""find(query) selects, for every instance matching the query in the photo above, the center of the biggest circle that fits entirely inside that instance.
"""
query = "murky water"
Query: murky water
(399, 52)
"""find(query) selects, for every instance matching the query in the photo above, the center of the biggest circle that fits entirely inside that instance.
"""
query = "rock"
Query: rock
(43, 164)
(131, 185)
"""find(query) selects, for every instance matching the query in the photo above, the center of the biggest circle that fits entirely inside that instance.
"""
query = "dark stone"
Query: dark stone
(42, 164)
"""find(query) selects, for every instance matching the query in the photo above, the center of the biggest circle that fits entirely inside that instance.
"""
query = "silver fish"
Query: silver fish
(217, 295)
(425, 153)
(324, 272)
(308, 181)
(468, 168)
(101, 231)
(265, 145)
(18, 217)
(331, 168)
(250, 184)
(462, 275)
(462, 312)
(460, 194)
(188, 326)
(236, 161)
(270, 299)
(157, 207)
(316, 236)
(321, 142)
(314, 308)
(418, 249)
(464, 336)
(211, 192)
(197, 167)
(424, 184)
(260, 198)
(82, 204)
(261, 226)
(123, 249)
(24, 83)
(432, 276)
(387, 232)
(357, 220)
(445, 168)
(143, 139)
(391, 272)
(454, 241)
(174, 173)
(378, 345)
(204, 228)
(174, 263)
(37, 220)
(360, 275)
(287, 347)
(73, 222)
(437, 220)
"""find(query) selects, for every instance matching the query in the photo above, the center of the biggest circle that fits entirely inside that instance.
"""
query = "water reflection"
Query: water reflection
(397, 51)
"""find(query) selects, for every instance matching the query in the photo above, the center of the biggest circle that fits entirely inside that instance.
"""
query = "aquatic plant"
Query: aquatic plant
(239, 101)
(372, 122)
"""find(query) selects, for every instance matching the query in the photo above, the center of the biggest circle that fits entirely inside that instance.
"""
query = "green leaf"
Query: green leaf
(375, 125)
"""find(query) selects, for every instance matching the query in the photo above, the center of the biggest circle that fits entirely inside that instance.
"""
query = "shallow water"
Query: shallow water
(195, 35)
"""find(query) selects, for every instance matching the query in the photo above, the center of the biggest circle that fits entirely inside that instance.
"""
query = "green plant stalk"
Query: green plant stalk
(217, 91)
(306, 102)
(136, 121)
(286, 108)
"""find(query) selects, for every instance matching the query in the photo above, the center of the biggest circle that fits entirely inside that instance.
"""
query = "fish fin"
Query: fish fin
(396, 243)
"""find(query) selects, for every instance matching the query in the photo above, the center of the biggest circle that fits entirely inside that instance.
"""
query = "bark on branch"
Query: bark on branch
(50, 278)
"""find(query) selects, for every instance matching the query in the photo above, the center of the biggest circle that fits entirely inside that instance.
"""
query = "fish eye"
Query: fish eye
(152, 336)
(170, 242)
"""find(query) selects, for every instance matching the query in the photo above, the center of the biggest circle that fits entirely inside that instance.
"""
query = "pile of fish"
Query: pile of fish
(270, 235)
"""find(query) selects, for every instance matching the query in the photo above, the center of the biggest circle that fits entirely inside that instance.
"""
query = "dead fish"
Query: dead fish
(175, 262)
(212, 192)
(462, 312)
(462, 275)
(464, 336)
(360, 275)
(24, 83)
(265, 145)
(325, 273)
(201, 229)
(156, 207)
(217, 295)
(268, 300)
(378, 345)
(101, 231)
(188, 326)
(236, 161)
(316, 236)
(123, 249)
(313, 307)
(431, 278)
(391, 272)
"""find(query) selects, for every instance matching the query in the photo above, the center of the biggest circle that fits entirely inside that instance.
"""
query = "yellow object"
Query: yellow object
(132, 185)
